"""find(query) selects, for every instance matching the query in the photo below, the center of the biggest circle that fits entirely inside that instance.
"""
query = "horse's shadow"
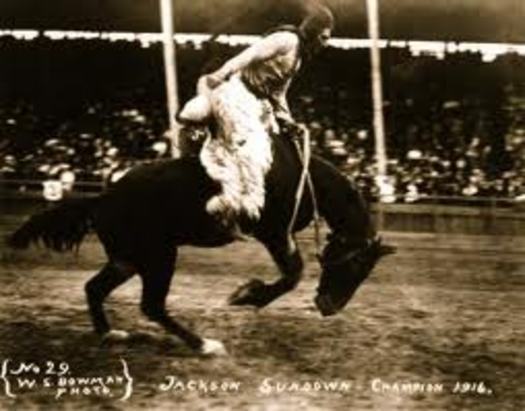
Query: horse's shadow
(33, 342)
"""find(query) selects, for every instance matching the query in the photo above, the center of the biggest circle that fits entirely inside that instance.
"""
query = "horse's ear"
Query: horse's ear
(383, 249)
(386, 250)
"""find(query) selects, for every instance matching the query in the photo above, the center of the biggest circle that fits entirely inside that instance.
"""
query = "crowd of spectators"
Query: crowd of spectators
(449, 154)
(455, 127)
(90, 151)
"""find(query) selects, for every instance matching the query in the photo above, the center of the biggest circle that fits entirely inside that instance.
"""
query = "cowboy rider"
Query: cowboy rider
(247, 98)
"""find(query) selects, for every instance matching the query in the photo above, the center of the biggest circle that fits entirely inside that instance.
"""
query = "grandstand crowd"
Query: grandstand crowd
(85, 111)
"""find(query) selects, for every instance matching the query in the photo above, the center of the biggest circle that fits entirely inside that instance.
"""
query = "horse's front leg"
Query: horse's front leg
(257, 293)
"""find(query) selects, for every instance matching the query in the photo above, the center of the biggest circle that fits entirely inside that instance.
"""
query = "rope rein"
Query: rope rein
(305, 155)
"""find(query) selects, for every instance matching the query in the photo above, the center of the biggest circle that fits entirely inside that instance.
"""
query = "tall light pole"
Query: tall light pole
(377, 91)
(170, 70)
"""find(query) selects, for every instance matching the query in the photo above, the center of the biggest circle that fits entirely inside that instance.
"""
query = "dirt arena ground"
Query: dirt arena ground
(442, 311)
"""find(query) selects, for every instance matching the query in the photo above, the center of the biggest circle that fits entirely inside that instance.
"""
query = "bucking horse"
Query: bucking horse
(143, 218)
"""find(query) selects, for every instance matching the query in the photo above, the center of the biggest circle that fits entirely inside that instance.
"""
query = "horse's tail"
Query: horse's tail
(61, 228)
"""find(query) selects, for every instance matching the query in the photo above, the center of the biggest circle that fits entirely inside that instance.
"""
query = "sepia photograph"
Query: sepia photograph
(262, 205)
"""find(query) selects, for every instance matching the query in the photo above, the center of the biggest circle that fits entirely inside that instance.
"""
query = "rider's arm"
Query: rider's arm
(268, 47)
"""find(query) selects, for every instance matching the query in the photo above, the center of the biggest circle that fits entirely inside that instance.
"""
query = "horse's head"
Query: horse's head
(345, 267)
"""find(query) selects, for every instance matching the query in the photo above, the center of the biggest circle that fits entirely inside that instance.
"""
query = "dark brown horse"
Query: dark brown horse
(155, 208)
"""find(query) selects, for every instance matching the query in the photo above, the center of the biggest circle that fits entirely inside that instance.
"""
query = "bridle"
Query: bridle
(356, 254)
(349, 255)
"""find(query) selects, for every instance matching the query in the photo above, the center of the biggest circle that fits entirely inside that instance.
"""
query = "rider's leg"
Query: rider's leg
(240, 158)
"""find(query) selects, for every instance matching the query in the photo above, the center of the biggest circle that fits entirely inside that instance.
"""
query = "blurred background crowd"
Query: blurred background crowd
(85, 111)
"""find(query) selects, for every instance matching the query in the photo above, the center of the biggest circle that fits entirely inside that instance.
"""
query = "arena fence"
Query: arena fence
(475, 216)
(432, 214)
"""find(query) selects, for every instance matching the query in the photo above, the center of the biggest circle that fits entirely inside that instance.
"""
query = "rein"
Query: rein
(305, 155)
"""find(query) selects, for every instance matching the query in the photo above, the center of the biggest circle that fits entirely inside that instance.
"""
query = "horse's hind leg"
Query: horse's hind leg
(156, 278)
(290, 264)
(99, 287)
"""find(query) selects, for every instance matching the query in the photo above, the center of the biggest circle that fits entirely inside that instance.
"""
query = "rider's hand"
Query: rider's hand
(301, 128)
(291, 128)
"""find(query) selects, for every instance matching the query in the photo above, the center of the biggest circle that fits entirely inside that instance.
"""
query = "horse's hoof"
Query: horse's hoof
(246, 293)
(115, 336)
(213, 348)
